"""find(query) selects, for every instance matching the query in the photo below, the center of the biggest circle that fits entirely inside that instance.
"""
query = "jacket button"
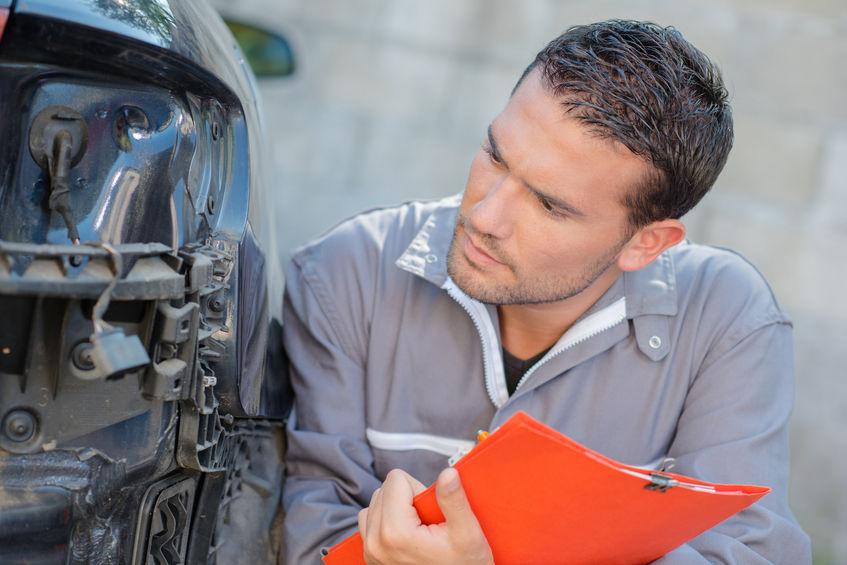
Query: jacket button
(431, 258)
(655, 342)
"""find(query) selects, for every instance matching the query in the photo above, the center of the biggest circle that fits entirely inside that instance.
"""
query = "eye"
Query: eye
(549, 208)
(492, 156)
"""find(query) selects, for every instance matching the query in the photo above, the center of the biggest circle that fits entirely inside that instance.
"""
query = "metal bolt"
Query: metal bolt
(81, 356)
(216, 304)
(19, 425)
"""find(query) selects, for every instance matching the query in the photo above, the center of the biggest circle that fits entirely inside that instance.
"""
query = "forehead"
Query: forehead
(550, 149)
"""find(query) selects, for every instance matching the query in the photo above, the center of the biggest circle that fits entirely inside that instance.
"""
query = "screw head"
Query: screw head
(19, 425)
(81, 356)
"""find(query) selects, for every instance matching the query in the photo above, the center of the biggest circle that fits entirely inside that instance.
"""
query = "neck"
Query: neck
(528, 329)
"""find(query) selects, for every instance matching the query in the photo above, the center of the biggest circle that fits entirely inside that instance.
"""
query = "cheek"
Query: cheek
(548, 246)
(538, 248)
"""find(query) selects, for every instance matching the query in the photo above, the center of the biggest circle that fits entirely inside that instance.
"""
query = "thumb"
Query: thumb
(454, 503)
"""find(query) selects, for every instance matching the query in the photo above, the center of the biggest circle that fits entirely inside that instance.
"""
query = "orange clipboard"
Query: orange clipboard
(541, 497)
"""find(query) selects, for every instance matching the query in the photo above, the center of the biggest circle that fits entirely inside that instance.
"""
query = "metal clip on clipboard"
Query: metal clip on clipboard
(659, 480)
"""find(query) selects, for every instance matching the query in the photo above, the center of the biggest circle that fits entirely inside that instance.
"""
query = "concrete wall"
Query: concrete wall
(392, 98)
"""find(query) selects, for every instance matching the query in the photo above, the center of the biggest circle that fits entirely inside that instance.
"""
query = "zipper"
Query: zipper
(399, 441)
(585, 329)
(492, 362)
(495, 380)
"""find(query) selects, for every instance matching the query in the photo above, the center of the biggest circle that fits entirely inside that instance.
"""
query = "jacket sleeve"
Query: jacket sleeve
(735, 425)
(329, 465)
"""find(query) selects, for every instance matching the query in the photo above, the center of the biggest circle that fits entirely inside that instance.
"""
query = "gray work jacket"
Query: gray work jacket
(394, 366)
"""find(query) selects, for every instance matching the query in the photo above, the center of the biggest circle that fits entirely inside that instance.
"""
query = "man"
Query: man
(559, 285)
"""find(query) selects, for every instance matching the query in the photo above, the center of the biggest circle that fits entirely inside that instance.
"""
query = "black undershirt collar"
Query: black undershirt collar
(516, 368)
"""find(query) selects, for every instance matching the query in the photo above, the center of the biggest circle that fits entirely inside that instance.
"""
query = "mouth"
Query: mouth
(477, 256)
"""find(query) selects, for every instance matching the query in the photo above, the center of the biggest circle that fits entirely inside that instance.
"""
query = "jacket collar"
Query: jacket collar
(426, 255)
(652, 289)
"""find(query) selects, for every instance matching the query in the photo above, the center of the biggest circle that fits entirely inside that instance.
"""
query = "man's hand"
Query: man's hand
(392, 532)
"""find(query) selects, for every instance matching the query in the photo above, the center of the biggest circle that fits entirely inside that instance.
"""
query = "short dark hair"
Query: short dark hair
(648, 88)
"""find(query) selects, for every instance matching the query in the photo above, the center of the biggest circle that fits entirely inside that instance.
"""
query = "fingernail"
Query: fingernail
(451, 479)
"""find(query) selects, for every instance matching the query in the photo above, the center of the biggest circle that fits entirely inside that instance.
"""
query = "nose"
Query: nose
(495, 213)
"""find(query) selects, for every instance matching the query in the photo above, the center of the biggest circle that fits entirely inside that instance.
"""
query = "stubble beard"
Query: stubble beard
(539, 289)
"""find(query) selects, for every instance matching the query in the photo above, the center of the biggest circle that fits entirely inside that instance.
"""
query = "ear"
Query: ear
(649, 242)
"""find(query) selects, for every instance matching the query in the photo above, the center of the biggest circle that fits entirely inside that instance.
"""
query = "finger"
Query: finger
(374, 497)
(401, 476)
(454, 504)
(363, 522)
(397, 495)
(416, 486)
(372, 513)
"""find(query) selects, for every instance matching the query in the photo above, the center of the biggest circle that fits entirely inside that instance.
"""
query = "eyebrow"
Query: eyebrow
(556, 202)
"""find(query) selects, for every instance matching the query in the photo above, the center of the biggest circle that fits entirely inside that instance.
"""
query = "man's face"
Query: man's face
(542, 216)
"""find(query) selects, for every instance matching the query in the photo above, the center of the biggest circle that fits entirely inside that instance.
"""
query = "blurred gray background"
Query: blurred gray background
(391, 99)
